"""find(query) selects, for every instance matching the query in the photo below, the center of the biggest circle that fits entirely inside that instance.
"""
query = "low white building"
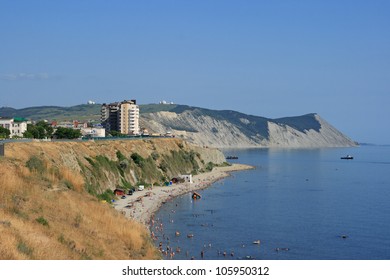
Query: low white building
(16, 126)
(93, 132)
(163, 102)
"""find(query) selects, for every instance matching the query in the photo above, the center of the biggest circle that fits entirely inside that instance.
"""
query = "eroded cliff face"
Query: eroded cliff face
(325, 136)
(239, 131)
(105, 165)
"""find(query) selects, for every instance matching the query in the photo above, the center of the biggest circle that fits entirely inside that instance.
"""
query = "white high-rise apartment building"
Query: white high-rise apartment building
(121, 116)
(129, 118)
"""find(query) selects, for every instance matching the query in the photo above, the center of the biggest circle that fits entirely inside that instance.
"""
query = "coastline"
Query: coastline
(142, 205)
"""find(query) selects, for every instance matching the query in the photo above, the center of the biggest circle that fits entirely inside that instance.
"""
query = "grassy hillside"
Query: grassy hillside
(51, 195)
(40, 222)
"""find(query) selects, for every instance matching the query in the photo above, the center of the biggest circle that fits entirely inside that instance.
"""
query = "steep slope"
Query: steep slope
(41, 221)
(233, 129)
(48, 195)
(313, 133)
(106, 165)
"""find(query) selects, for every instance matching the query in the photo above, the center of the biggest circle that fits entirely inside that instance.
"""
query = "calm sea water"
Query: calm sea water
(301, 200)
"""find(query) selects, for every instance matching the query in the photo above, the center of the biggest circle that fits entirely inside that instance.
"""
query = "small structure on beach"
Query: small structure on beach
(187, 178)
(177, 180)
(119, 192)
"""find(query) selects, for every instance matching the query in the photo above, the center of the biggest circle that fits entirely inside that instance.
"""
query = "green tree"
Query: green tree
(48, 129)
(115, 133)
(4, 132)
(40, 130)
(67, 133)
(28, 134)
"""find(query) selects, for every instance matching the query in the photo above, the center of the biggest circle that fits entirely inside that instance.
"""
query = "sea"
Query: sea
(301, 204)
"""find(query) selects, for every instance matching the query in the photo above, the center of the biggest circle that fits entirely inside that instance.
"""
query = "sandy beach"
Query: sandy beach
(143, 204)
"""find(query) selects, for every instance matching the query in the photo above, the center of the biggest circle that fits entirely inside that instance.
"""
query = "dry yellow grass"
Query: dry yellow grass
(37, 223)
(73, 177)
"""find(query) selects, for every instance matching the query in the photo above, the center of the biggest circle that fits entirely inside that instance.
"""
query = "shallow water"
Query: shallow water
(301, 201)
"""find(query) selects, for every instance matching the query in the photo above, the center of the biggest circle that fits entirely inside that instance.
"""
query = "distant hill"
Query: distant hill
(205, 127)
(79, 112)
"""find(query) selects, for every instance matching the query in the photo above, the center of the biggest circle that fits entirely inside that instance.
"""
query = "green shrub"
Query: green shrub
(42, 221)
(155, 155)
(91, 189)
(163, 166)
(68, 184)
(36, 164)
(77, 220)
(138, 160)
(107, 195)
(120, 156)
(24, 249)
(209, 166)
(91, 162)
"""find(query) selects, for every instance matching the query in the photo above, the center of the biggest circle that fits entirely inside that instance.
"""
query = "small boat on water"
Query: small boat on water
(232, 157)
(190, 235)
(347, 157)
(256, 242)
(195, 195)
(282, 249)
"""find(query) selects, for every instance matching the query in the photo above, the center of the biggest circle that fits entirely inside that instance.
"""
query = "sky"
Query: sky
(265, 58)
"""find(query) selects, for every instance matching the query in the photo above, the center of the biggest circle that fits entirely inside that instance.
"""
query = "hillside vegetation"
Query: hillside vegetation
(51, 195)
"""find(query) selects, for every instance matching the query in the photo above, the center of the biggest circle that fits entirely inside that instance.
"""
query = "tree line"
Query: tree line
(42, 130)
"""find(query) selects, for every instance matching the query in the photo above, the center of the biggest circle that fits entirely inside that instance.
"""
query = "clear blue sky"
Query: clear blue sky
(267, 58)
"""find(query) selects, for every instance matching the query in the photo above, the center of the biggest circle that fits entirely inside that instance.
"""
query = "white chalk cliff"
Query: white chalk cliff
(228, 129)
